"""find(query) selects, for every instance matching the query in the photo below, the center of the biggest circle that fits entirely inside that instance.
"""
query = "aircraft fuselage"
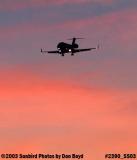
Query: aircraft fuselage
(65, 47)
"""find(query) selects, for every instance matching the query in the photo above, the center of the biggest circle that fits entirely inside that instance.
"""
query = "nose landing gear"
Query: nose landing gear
(72, 54)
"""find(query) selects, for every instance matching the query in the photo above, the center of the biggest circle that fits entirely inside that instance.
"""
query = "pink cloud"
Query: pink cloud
(38, 112)
(29, 94)
(98, 120)
(33, 104)
(16, 5)
(116, 27)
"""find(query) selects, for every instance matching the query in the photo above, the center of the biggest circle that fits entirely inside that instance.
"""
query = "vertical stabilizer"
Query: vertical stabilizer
(73, 41)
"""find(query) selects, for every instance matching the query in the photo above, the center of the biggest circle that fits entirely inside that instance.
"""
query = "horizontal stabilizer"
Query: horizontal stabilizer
(43, 51)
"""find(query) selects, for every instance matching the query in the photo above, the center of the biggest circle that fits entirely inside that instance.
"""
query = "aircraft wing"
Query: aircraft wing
(83, 50)
(49, 51)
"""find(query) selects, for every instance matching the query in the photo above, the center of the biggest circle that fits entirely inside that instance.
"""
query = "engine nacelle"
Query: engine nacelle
(75, 45)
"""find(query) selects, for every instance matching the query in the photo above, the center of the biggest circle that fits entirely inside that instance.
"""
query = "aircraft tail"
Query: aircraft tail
(74, 40)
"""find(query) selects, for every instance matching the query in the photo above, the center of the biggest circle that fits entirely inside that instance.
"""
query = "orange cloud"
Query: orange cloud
(42, 115)
(29, 94)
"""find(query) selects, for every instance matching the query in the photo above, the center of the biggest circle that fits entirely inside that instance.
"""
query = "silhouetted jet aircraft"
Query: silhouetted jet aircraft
(73, 48)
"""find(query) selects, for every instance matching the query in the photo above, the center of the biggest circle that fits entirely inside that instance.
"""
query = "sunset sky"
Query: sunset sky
(83, 104)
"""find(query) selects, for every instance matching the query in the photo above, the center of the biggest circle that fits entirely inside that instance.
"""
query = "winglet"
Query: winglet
(98, 46)
(41, 50)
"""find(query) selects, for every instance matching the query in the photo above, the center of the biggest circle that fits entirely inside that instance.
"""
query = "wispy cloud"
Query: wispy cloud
(16, 5)
(119, 26)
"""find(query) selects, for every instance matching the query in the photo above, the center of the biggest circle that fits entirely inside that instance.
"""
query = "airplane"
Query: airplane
(63, 48)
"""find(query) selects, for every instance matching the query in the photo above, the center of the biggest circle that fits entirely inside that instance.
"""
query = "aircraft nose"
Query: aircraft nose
(60, 45)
